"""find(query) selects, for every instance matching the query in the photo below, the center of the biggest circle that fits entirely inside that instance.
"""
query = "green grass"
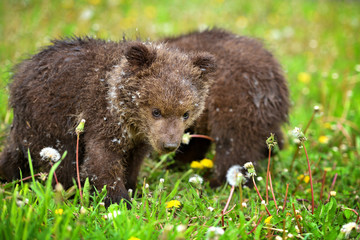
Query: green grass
(318, 38)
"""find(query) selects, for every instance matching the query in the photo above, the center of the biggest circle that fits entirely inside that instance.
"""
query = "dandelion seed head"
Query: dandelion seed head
(234, 176)
(51, 154)
(214, 232)
(196, 180)
(347, 228)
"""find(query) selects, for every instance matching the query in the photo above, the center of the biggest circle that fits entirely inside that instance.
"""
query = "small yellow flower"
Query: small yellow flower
(323, 139)
(268, 219)
(288, 214)
(306, 179)
(207, 163)
(134, 238)
(300, 177)
(327, 125)
(173, 203)
(304, 77)
(59, 211)
(196, 164)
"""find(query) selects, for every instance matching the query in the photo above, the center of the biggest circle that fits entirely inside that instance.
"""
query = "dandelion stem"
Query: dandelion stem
(227, 204)
(201, 136)
(267, 178)
(241, 196)
(257, 190)
(272, 191)
(311, 182)
(297, 221)
(77, 164)
(322, 185)
(56, 180)
(296, 153)
(257, 224)
(332, 185)
(29, 177)
(286, 192)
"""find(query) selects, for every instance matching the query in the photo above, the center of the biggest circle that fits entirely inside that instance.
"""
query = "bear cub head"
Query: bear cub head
(155, 92)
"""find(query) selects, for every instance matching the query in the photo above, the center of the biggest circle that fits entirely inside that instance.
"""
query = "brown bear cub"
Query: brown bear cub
(134, 96)
(248, 100)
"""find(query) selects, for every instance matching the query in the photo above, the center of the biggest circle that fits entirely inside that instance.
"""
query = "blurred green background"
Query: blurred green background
(317, 42)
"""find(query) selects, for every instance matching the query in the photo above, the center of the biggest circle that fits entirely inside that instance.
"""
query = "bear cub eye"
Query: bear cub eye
(186, 115)
(156, 113)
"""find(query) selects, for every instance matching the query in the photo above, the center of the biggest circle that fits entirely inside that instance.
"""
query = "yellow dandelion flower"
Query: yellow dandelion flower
(173, 203)
(288, 214)
(196, 164)
(304, 77)
(306, 179)
(268, 219)
(59, 211)
(207, 163)
(323, 139)
(300, 177)
(134, 238)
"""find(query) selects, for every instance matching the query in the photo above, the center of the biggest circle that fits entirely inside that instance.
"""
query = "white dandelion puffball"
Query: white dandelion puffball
(347, 228)
(196, 179)
(234, 176)
(214, 232)
(51, 154)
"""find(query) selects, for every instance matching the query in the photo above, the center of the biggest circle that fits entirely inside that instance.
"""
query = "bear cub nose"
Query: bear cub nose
(169, 147)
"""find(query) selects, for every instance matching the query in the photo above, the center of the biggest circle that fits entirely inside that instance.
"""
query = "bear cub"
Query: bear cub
(134, 96)
(248, 100)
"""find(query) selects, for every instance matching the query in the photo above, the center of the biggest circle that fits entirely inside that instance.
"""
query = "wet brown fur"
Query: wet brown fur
(248, 101)
(115, 87)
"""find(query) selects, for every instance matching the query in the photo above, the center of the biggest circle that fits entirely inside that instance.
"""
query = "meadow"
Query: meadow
(318, 45)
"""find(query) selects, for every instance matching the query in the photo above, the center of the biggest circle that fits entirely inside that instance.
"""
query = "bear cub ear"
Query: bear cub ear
(205, 61)
(138, 55)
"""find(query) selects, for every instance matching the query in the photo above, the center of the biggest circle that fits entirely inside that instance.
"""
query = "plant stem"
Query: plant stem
(77, 165)
(332, 186)
(202, 136)
(297, 221)
(311, 182)
(29, 177)
(272, 191)
(56, 180)
(267, 178)
(227, 204)
(257, 224)
(322, 185)
(257, 190)
(287, 188)
(241, 196)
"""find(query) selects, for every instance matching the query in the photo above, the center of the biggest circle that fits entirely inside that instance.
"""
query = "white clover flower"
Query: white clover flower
(186, 138)
(316, 108)
(112, 215)
(51, 154)
(347, 228)
(196, 179)
(249, 166)
(290, 235)
(259, 179)
(278, 238)
(244, 204)
(263, 202)
(162, 180)
(146, 185)
(332, 193)
(214, 232)
(234, 176)
(211, 209)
